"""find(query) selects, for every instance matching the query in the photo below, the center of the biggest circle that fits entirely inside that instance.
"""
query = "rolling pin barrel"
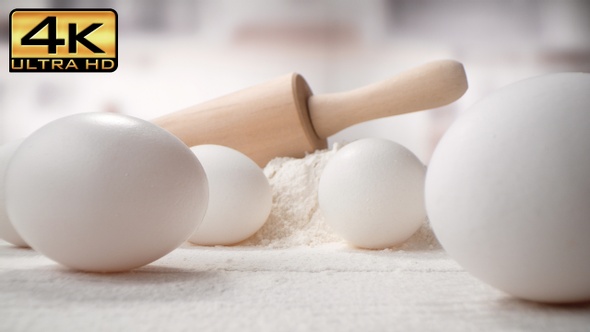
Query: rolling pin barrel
(262, 121)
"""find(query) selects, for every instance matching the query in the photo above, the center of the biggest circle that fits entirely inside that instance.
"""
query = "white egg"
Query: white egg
(7, 231)
(104, 192)
(372, 193)
(508, 189)
(240, 196)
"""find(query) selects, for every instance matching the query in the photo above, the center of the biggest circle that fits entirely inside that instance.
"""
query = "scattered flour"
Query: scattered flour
(296, 220)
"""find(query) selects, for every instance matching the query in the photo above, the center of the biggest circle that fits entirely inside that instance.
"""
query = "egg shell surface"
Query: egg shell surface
(240, 197)
(372, 193)
(508, 188)
(104, 192)
(7, 231)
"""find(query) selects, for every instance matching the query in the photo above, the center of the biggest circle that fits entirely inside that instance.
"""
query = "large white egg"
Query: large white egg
(240, 196)
(508, 189)
(7, 231)
(372, 193)
(104, 192)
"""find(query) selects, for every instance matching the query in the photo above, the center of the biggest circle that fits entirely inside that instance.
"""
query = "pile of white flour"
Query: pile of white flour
(295, 219)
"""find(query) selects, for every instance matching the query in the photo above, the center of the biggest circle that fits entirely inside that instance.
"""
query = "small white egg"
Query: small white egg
(240, 196)
(372, 193)
(104, 192)
(508, 186)
(7, 231)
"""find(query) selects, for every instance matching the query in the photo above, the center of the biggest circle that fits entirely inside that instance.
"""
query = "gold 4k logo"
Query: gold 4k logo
(63, 40)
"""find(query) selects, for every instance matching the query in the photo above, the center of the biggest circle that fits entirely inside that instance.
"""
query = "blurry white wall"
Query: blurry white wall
(176, 53)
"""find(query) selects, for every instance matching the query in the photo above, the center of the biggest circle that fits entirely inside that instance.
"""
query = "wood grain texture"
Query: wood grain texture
(263, 121)
(282, 118)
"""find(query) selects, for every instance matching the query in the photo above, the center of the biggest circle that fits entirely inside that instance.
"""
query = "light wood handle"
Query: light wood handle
(429, 86)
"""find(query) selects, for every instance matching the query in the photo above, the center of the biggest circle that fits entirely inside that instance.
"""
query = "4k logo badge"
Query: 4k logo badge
(63, 40)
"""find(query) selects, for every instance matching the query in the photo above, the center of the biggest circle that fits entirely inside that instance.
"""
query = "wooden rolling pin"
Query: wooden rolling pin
(282, 117)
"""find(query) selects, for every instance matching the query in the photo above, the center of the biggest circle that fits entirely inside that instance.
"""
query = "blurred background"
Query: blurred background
(176, 53)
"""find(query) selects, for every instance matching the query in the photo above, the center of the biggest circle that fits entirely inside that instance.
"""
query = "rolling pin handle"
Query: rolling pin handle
(429, 86)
